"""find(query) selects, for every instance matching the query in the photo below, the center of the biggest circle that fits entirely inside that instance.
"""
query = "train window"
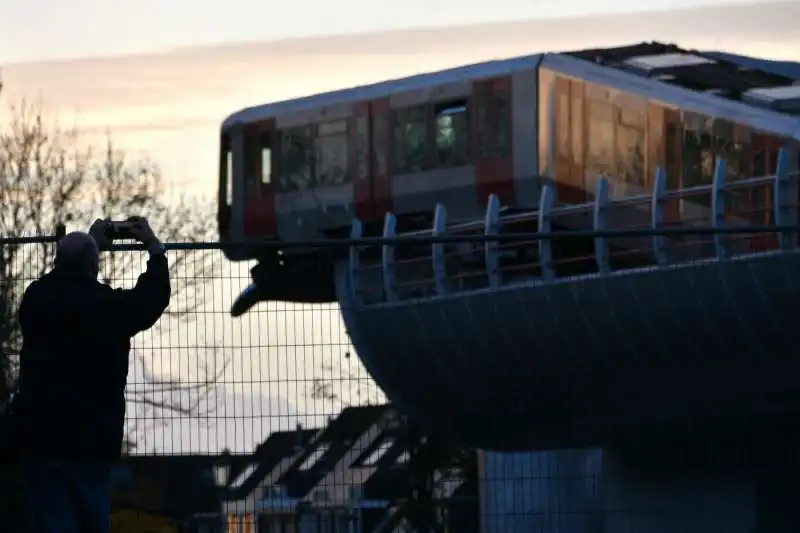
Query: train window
(410, 139)
(229, 177)
(502, 103)
(331, 154)
(630, 137)
(600, 136)
(698, 163)
(630, 155)
(452, 133)
(295, 166)
(226, 171)
(266, 158)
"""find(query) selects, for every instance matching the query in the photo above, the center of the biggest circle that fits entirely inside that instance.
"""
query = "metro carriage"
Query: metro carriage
(303, 169)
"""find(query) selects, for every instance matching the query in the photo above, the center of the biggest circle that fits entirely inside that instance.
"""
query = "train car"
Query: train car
(303, 169)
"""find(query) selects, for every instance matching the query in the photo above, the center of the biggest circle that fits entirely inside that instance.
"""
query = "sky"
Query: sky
(167, 106)
(37, 29)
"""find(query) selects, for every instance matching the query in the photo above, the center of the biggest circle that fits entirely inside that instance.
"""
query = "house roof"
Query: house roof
(360, 447)
(255, 467)
(328, 449)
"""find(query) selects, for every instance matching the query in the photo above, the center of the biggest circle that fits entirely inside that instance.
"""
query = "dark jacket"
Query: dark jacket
(74, 360)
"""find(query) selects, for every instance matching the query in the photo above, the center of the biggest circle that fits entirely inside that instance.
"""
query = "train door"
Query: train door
(369, 150)
(491, 139)
(569, 176)
(260, 160)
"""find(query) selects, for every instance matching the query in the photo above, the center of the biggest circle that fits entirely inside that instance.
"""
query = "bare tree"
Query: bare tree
(344, 385)
(48, 177)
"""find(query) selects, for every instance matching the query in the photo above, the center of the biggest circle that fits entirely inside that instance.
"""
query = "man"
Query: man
(70, 405)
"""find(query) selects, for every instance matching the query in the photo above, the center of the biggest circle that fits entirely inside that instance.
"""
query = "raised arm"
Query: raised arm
(138, 309)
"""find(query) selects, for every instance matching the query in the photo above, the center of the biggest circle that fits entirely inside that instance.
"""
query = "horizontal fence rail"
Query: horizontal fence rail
(660, 228)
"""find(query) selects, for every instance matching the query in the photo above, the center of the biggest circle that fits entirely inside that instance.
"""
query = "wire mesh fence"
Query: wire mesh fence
(270, 421)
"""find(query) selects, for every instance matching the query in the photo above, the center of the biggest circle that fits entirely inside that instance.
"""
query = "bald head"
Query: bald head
(77, 254)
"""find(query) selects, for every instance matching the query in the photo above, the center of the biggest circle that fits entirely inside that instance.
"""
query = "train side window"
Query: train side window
(410, 139)
(266, 158)
(295, 166)
(630, 139)
(332, 153)
(226, 171)
(229, 177)
(601, 147)
(452, 133)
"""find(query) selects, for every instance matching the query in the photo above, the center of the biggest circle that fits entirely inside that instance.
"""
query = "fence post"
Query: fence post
(600, 217)
(547, 201)
(387, 256)
(491, 226)
(782, 190)
(718, 207)
(437, 250)
(354, 264)
(657, 216)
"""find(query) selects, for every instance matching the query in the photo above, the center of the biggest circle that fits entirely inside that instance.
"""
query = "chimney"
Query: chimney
(298, 438)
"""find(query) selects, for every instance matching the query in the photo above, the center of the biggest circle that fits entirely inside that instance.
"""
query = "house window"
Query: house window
(331, 154)
(374, 454)
(313, 457)
(452, 133)
(243, 476)
(410, 139)
(296, 160)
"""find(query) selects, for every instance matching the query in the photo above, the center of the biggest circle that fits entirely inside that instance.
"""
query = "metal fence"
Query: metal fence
(270, 422)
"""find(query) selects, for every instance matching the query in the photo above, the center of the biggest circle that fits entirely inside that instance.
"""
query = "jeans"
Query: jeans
(67, 496)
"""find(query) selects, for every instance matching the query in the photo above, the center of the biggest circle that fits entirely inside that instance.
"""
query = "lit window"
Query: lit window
(452, 130)
(313, 457)
(229, 177)
(410, 139)
(377, 454)
(243, 476)
(266, 159)
(332, 154)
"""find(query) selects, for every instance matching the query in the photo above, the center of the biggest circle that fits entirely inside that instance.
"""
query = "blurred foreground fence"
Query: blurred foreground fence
(270, 423)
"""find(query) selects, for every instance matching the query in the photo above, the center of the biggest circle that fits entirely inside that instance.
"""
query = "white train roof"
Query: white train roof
(385, 88)
(612, 67)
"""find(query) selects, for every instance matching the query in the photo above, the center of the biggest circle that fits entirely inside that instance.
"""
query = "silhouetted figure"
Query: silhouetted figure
(70, 405)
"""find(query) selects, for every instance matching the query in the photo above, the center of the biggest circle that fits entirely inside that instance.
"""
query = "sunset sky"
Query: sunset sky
(161, 76)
